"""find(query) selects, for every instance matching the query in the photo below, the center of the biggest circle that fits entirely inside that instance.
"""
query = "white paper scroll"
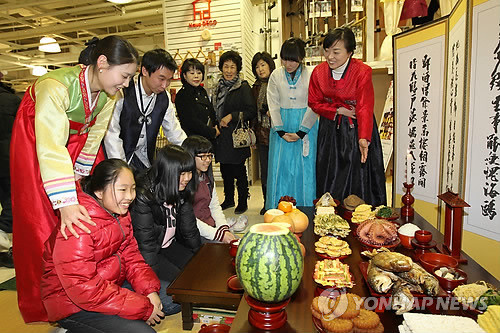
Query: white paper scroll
(483, 150)
(419, 105)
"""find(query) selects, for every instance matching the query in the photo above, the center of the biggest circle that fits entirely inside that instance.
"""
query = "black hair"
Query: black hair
(117, 50)
(105, 173)
(191, 63)
(156, 59)
(165, 173)
(293, 49)
(345, 34)
(231, 56)
(196, 144)
(265, 57)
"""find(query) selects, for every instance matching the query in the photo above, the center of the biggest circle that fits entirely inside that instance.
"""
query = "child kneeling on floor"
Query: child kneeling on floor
(81, 283)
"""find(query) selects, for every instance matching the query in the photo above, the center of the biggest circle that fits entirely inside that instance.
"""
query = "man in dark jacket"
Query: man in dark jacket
(9, 103)
(145, 106)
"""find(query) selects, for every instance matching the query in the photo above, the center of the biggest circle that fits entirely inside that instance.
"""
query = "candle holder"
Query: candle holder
(407, 200)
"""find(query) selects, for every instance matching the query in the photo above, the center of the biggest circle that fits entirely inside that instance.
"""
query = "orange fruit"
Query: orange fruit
(285, 206)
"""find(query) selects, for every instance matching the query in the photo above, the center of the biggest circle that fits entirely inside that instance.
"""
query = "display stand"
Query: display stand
(453, 223)
(266, 316)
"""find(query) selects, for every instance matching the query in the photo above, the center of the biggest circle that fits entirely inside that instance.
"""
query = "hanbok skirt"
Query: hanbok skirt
(292, 165)
(338, 166)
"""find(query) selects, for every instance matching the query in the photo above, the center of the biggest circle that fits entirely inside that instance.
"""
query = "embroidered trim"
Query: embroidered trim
(295, 78)
(64, 200)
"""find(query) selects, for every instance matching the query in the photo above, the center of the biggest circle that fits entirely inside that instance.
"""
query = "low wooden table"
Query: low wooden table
(299, 311)
(203, 283)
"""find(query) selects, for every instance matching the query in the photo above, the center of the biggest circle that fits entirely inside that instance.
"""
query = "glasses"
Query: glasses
(206, 157)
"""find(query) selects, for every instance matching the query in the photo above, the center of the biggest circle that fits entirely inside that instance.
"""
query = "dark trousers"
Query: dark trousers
(95, 322)
(172, 261)
(263, 159)
(6, 216)
(229, 173)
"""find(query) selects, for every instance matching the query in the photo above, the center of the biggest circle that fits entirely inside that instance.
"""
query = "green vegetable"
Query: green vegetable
(385, 212)
(490, 297)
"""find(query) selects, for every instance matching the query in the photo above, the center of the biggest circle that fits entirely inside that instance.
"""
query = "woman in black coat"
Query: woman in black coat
(232, 97)
(196, 112)
(162, 213)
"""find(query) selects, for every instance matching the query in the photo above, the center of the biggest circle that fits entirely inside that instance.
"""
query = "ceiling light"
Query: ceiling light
(49, 45)
(120, 1)
(38, 70)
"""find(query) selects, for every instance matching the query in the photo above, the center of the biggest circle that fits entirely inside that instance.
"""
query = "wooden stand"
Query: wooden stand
(407, 211)
(266, 316)
(453, 224)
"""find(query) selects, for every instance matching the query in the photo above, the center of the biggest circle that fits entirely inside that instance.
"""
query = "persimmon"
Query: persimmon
(285, 206)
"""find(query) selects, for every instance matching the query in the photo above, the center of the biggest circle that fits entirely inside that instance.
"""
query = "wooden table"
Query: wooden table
(203, 282)
(298, 310)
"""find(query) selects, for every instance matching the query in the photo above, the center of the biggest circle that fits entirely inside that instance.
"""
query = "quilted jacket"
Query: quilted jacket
(87, 272)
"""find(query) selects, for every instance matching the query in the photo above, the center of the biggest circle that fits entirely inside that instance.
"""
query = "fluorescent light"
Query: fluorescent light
(38, 70)
(120, 1)
(49, 45)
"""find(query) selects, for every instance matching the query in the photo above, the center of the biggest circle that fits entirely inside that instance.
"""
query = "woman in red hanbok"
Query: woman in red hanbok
(55, 139)
(349, 158)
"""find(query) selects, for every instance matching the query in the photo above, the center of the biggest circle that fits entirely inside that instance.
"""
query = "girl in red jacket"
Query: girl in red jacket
(82, 275)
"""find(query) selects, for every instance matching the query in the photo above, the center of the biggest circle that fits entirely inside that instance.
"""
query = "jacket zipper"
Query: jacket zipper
(116, 254)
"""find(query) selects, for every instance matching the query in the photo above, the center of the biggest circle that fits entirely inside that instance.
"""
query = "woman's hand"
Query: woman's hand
(290, 137)
(157, 315)
(225, 121)
(351, 112)
(228, 236)
(78, 177)
(363, 147)
(73, 214)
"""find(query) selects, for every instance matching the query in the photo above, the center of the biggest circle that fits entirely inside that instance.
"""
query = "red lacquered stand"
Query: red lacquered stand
(407, 211)
(266, 316)
(453, 224)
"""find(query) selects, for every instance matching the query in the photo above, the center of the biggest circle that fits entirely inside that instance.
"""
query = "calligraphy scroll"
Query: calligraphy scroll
(419, 81)
(452, 171)
(483, 149)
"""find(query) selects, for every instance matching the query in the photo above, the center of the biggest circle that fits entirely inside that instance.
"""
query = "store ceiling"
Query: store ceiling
(71, 23)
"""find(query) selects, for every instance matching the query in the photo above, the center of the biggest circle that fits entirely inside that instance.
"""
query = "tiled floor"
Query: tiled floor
(11, 318)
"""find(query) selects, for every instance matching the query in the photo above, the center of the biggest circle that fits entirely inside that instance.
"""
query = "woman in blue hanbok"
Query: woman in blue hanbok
(294, 132)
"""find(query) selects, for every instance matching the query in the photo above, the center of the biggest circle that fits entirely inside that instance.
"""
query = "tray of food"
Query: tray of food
(329, 247)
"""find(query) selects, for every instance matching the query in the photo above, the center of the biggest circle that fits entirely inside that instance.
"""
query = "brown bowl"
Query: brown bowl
(214, 328)
(450, 284)
(423, 236)
(430, 260)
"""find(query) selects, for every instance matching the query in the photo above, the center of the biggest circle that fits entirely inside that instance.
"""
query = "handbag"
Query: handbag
(243, 135)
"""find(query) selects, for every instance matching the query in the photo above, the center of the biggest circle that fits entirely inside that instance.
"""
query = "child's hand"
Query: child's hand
(157, 315)
(228, 236)
(73, 214)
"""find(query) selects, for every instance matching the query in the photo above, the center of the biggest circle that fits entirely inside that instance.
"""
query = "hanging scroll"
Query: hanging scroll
(453, 173)
(483, 149)
(419, 80)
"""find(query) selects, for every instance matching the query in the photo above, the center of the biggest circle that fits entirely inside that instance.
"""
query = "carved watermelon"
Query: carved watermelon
(269, 263)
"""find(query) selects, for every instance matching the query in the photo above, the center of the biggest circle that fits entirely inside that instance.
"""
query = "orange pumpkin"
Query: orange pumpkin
(271, 214)
(303, 249)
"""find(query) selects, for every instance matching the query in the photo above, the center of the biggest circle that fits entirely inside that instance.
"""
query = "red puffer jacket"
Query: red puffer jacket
(87, 272)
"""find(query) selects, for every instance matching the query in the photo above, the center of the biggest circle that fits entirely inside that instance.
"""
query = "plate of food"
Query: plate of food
(376, 233)
(332, 274)
(329, 247)
(387, 213)
(477, 296)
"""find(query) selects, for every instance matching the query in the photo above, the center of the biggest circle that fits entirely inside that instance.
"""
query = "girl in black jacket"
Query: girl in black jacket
(162, 214)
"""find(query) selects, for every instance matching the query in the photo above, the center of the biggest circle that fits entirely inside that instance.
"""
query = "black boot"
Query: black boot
(228, 193)
(264, 192)
(242, 199)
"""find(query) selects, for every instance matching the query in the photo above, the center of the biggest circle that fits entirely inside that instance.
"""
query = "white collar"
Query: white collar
(339, 71)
